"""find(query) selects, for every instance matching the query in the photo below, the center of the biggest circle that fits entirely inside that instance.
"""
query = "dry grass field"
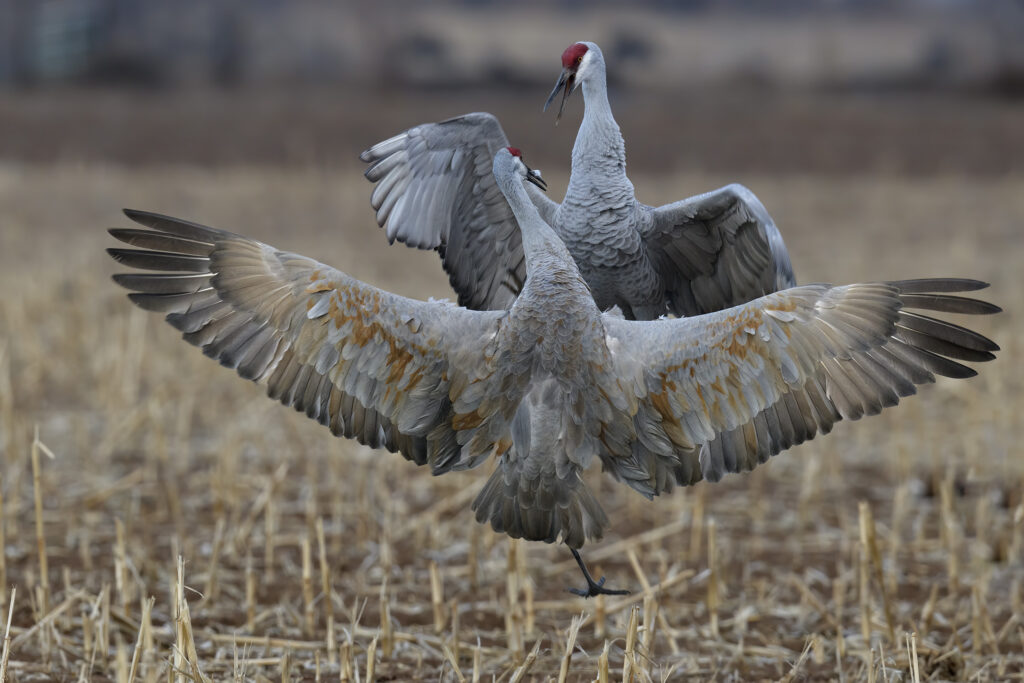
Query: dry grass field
(171, 523)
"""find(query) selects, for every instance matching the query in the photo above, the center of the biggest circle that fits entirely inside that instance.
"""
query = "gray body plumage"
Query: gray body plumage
(698, 255)
(550, 385)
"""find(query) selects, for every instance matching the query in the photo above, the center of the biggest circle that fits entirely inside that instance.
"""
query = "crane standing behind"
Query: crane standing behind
(435, 191)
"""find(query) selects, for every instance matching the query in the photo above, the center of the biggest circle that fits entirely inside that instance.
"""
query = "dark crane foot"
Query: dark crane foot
(593, 587)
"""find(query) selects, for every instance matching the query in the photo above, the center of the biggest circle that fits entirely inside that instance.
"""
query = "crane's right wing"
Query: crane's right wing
(723, 392)
(410, 376)
(436, 190)
(717, 250)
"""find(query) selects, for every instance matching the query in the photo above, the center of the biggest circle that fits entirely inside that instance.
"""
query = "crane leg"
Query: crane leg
(593, 587)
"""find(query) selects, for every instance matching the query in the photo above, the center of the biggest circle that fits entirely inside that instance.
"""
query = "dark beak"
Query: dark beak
(567, 79)
(534, 177)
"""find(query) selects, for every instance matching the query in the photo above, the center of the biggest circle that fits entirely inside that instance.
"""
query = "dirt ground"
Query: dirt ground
(892, 549)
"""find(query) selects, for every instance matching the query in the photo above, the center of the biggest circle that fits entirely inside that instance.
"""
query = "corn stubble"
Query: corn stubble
(165, 524)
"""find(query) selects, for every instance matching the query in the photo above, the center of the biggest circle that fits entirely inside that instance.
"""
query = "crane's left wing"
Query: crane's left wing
(724, 391)
(717, 250)
(435, 189)
(414, 377)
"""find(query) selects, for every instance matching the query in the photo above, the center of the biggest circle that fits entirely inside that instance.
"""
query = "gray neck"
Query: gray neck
(541, 244)
(600, 152)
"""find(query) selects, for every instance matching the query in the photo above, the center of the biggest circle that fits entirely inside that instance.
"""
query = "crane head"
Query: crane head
(572, 61)
(530, 174)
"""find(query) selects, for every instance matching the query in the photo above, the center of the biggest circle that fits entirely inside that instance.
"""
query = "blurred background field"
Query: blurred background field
(887, 140)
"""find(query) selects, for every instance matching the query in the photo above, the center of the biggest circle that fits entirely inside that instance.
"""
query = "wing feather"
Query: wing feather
(436, 190)
(717, 250)
(368, 364)
(726, 391)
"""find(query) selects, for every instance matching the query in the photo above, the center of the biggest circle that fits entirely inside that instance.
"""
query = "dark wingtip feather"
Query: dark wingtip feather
(176, 226)
(161, 283)
(946, 303)
(950, 368)
(943, 284)
(948, 331)
(160, 221)
(159, 241)
(141, 300)
(140, 216)
(161, 303)
(147, 259)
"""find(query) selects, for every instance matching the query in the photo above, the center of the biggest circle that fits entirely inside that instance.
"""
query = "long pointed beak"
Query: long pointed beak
(534, 177)
(567, 79)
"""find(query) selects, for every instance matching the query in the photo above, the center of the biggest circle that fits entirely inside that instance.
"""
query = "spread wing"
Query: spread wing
(717, 250)
(436, 190)
(406, 375)
(725, 391)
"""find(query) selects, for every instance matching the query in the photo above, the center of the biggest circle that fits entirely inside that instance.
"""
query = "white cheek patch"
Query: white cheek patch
(584, 67)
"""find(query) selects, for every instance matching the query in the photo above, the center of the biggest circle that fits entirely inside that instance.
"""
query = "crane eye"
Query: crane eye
(579, 59)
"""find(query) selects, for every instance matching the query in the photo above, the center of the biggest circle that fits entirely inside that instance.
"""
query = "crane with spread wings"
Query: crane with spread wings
(550, 386)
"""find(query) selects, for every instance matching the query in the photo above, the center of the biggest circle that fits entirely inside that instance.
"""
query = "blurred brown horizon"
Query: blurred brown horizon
(924, 88)
(714, 131)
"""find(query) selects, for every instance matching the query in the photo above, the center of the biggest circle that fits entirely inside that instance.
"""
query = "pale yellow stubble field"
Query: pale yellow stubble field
(160, 453)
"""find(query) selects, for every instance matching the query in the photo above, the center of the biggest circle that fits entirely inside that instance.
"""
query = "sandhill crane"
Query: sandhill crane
(551, 384)
(702, 254)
